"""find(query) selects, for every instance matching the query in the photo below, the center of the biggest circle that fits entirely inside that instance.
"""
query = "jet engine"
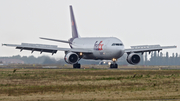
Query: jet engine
(71, 58)
(133, 58)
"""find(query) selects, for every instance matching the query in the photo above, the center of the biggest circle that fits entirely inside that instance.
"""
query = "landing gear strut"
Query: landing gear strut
(114, 64)
(77, 65)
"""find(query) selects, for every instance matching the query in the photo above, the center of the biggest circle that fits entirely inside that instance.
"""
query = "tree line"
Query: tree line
(155, 59)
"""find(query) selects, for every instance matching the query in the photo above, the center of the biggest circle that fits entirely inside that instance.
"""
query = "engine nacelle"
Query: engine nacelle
(133, 59)
(71, 58)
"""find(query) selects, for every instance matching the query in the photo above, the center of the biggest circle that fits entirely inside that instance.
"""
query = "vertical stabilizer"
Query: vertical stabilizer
(73, 24)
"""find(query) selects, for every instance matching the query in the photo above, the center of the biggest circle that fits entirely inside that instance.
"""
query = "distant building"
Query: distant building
(1, 63)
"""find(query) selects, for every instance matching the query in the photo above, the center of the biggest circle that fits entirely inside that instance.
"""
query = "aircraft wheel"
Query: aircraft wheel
(77, 65)
(114, 66)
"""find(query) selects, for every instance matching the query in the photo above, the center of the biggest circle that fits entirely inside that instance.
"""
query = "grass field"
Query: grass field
(88, 84)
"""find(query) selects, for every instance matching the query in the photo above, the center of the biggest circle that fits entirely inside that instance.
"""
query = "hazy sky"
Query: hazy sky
(135, 22)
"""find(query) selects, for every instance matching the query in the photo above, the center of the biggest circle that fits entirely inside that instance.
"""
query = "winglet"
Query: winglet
(3, 44)
(73, 23)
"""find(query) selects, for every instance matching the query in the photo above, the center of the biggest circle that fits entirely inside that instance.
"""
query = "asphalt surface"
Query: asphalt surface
(96, 67)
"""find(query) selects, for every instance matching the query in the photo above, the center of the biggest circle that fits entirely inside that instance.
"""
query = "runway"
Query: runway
(101, 67)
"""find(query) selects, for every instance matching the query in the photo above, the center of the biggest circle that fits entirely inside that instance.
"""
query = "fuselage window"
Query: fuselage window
(117, 44)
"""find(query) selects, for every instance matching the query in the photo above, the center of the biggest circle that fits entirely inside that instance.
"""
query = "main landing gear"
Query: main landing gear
(77, 65)
(114, 64)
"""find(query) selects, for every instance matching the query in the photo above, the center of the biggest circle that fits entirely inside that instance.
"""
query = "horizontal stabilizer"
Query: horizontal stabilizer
(55, 40)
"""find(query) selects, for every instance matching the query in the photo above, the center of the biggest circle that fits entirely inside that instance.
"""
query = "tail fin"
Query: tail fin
(73, 22)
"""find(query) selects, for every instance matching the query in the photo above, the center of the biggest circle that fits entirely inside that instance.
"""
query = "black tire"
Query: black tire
(116, 65)
(77, 65)
(113, 66)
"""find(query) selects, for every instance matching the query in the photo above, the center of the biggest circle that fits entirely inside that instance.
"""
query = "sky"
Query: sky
(135, 22)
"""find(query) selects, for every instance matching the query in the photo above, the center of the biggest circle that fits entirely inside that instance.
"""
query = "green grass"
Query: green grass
(80, 84)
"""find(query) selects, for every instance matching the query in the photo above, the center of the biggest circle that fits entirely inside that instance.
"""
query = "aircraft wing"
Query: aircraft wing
(45, 48)
(147, 48)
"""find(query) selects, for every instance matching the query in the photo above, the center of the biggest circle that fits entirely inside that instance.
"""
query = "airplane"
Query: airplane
(97, 48)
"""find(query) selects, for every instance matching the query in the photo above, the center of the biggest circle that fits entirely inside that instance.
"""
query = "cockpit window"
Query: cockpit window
(113, 44)
(117, 44)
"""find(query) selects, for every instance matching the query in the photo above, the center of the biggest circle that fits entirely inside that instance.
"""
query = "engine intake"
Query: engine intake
(71, 58)
(133, 59)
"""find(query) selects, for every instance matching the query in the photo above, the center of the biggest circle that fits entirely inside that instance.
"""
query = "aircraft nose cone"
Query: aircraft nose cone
(121, 51)
(118, 52)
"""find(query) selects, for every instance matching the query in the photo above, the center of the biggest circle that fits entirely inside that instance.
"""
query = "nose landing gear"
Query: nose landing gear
(114, 64)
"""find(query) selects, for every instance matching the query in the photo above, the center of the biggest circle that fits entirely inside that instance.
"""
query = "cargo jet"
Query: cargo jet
(97, 48)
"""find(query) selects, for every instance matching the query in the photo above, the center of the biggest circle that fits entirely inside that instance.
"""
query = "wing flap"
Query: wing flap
(45, 48)
(37, 49)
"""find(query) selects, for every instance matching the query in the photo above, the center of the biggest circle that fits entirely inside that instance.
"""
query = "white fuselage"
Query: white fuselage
(104, 48)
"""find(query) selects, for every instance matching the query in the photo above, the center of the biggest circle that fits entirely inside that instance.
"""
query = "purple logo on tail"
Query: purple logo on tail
(72, 23)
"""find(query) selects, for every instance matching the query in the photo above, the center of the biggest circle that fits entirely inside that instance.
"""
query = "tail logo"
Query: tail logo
(72, 23)
(98, 46)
